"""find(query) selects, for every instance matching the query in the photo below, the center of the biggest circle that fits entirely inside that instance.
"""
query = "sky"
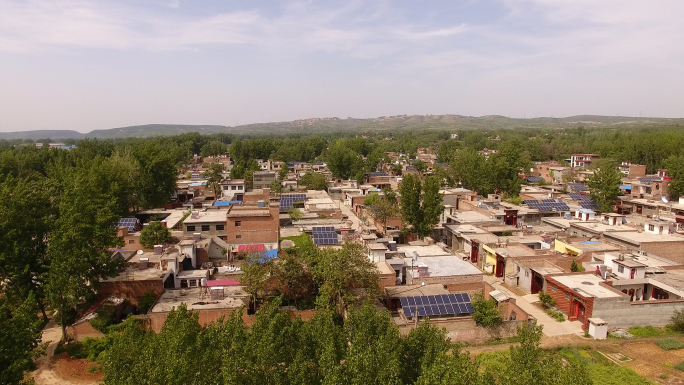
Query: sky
(85, 65)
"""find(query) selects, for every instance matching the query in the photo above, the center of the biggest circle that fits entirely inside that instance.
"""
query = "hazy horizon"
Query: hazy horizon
(88, 65)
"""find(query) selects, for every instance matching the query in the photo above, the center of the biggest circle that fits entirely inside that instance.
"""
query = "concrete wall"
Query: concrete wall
(622, 313)
(465, 330)
(130, 290)
(456, 279)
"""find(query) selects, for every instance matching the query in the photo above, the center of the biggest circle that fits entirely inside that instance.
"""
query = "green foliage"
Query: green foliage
(546, 299)
(670, 344)
(675, 170)
(680, 366)
(383, 208)
(282, 173)
(214, 148)
(214, 176)
(154, 234)
(516, 200)
(557, 315)
(646, 331)
(20, 332)
(599, 369)
(146, 302)
(276, 187)
(574, 267)
(486, 312)
(295, 214)
(421, 203)
(677, 321)
(301, 240)
(604, 187)
(314, 181)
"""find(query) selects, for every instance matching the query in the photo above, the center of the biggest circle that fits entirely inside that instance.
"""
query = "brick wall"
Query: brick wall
(387, 280)
(566, 298)
(254, 229)
(458, 279)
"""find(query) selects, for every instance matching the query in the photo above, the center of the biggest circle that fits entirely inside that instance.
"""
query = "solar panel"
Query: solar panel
(649, 179)
(549, 200)
(437, 305)
(403, 301)
(561, 206)
(576, 196)
(578, 186)
(528, 201)
(130, 223)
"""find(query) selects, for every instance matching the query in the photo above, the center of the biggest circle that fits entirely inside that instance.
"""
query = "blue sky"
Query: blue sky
(88, 65)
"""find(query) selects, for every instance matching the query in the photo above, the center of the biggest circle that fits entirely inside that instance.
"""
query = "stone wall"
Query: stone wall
(619, 312)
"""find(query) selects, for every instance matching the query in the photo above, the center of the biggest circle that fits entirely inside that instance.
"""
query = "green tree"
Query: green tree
(420, 166)
(382, 209)
(486, 312)
(276, 187)
(342, 161)
(26, 218)
(154, 234)
(292, 277)
(604, 188)
(283, 172)
(157, 175)
(574, 267)
(314, 181)
(78, 250)
(421, 204)
(20, 332)
(214, 177)
(675, 170)
(214, 148)
(339, 272)
(255, 275)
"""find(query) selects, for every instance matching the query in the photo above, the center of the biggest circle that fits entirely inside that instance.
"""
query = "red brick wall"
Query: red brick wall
(566, 305)
(387, 280)
(254, 229)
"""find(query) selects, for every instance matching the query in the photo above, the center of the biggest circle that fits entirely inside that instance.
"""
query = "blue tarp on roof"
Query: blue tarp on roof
(197, 184)
(226, 203)
(589, 242)
(626, 187)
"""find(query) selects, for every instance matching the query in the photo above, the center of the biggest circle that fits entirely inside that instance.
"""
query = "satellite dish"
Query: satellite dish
(139, 252)
(665, 200)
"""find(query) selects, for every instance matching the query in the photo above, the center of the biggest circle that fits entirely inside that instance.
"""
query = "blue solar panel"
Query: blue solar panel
(403, 301)
(576, 196)
(548, 200)
(130, 223)
(578, 186)
(437, 305)
(649, 179)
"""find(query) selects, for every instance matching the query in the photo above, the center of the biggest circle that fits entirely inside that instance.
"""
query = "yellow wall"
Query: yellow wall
(563, 247)
(491, 255)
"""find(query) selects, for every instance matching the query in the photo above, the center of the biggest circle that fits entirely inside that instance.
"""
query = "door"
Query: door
(500, 266)
(474, 252)
(581, 316)
(537, 283)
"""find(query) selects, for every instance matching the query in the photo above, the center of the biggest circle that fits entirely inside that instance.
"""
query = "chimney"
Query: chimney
(260, 203)
(196, 237)
(143, 263)
(392, 245)
(195, 214)
(158, 249)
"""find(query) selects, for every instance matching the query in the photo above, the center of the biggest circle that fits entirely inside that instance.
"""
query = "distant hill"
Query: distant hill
(321, 125)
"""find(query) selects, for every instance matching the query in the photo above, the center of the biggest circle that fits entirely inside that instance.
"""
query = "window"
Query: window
(191, 228)
(651, 227)
(233, 187)
(554, 288)
(131, 241)
(621, 269)
(205, 227)
(238, 236)
(238, 223)
(193, 283)
(527, 273)
(220, 227)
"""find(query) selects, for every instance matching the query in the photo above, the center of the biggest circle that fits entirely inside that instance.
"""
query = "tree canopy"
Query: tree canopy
(421, 203)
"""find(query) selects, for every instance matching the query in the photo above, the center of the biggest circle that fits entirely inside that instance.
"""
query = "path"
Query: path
(45, 375)
(346, 211)
(551, 326)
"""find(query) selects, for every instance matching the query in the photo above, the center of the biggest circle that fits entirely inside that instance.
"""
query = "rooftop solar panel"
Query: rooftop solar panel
(549, 200)
(576, 196)
(578, 186)
(649, 179)
(403, 301)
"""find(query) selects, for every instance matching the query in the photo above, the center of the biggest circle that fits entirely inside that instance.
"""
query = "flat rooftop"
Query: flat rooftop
(515, 251)
(600, 227)
(415, 290)
(422, 251)
(234, 298)
(445, 266)
(593, 246)
(587, 285)
(384, 268)
(254, 212)
(207, 216)
(135, 274)
(472, 217)
(637, 238)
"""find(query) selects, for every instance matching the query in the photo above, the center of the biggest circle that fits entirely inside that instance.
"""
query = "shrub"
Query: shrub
(677, 321)
(104, 319)
(486, 312)
(670, 344)
(546, 299)
(574, 267)
(146, 302)
(680, 366)
(557, 315)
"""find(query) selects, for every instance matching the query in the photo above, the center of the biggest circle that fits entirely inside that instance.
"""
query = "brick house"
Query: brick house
(253, 227)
